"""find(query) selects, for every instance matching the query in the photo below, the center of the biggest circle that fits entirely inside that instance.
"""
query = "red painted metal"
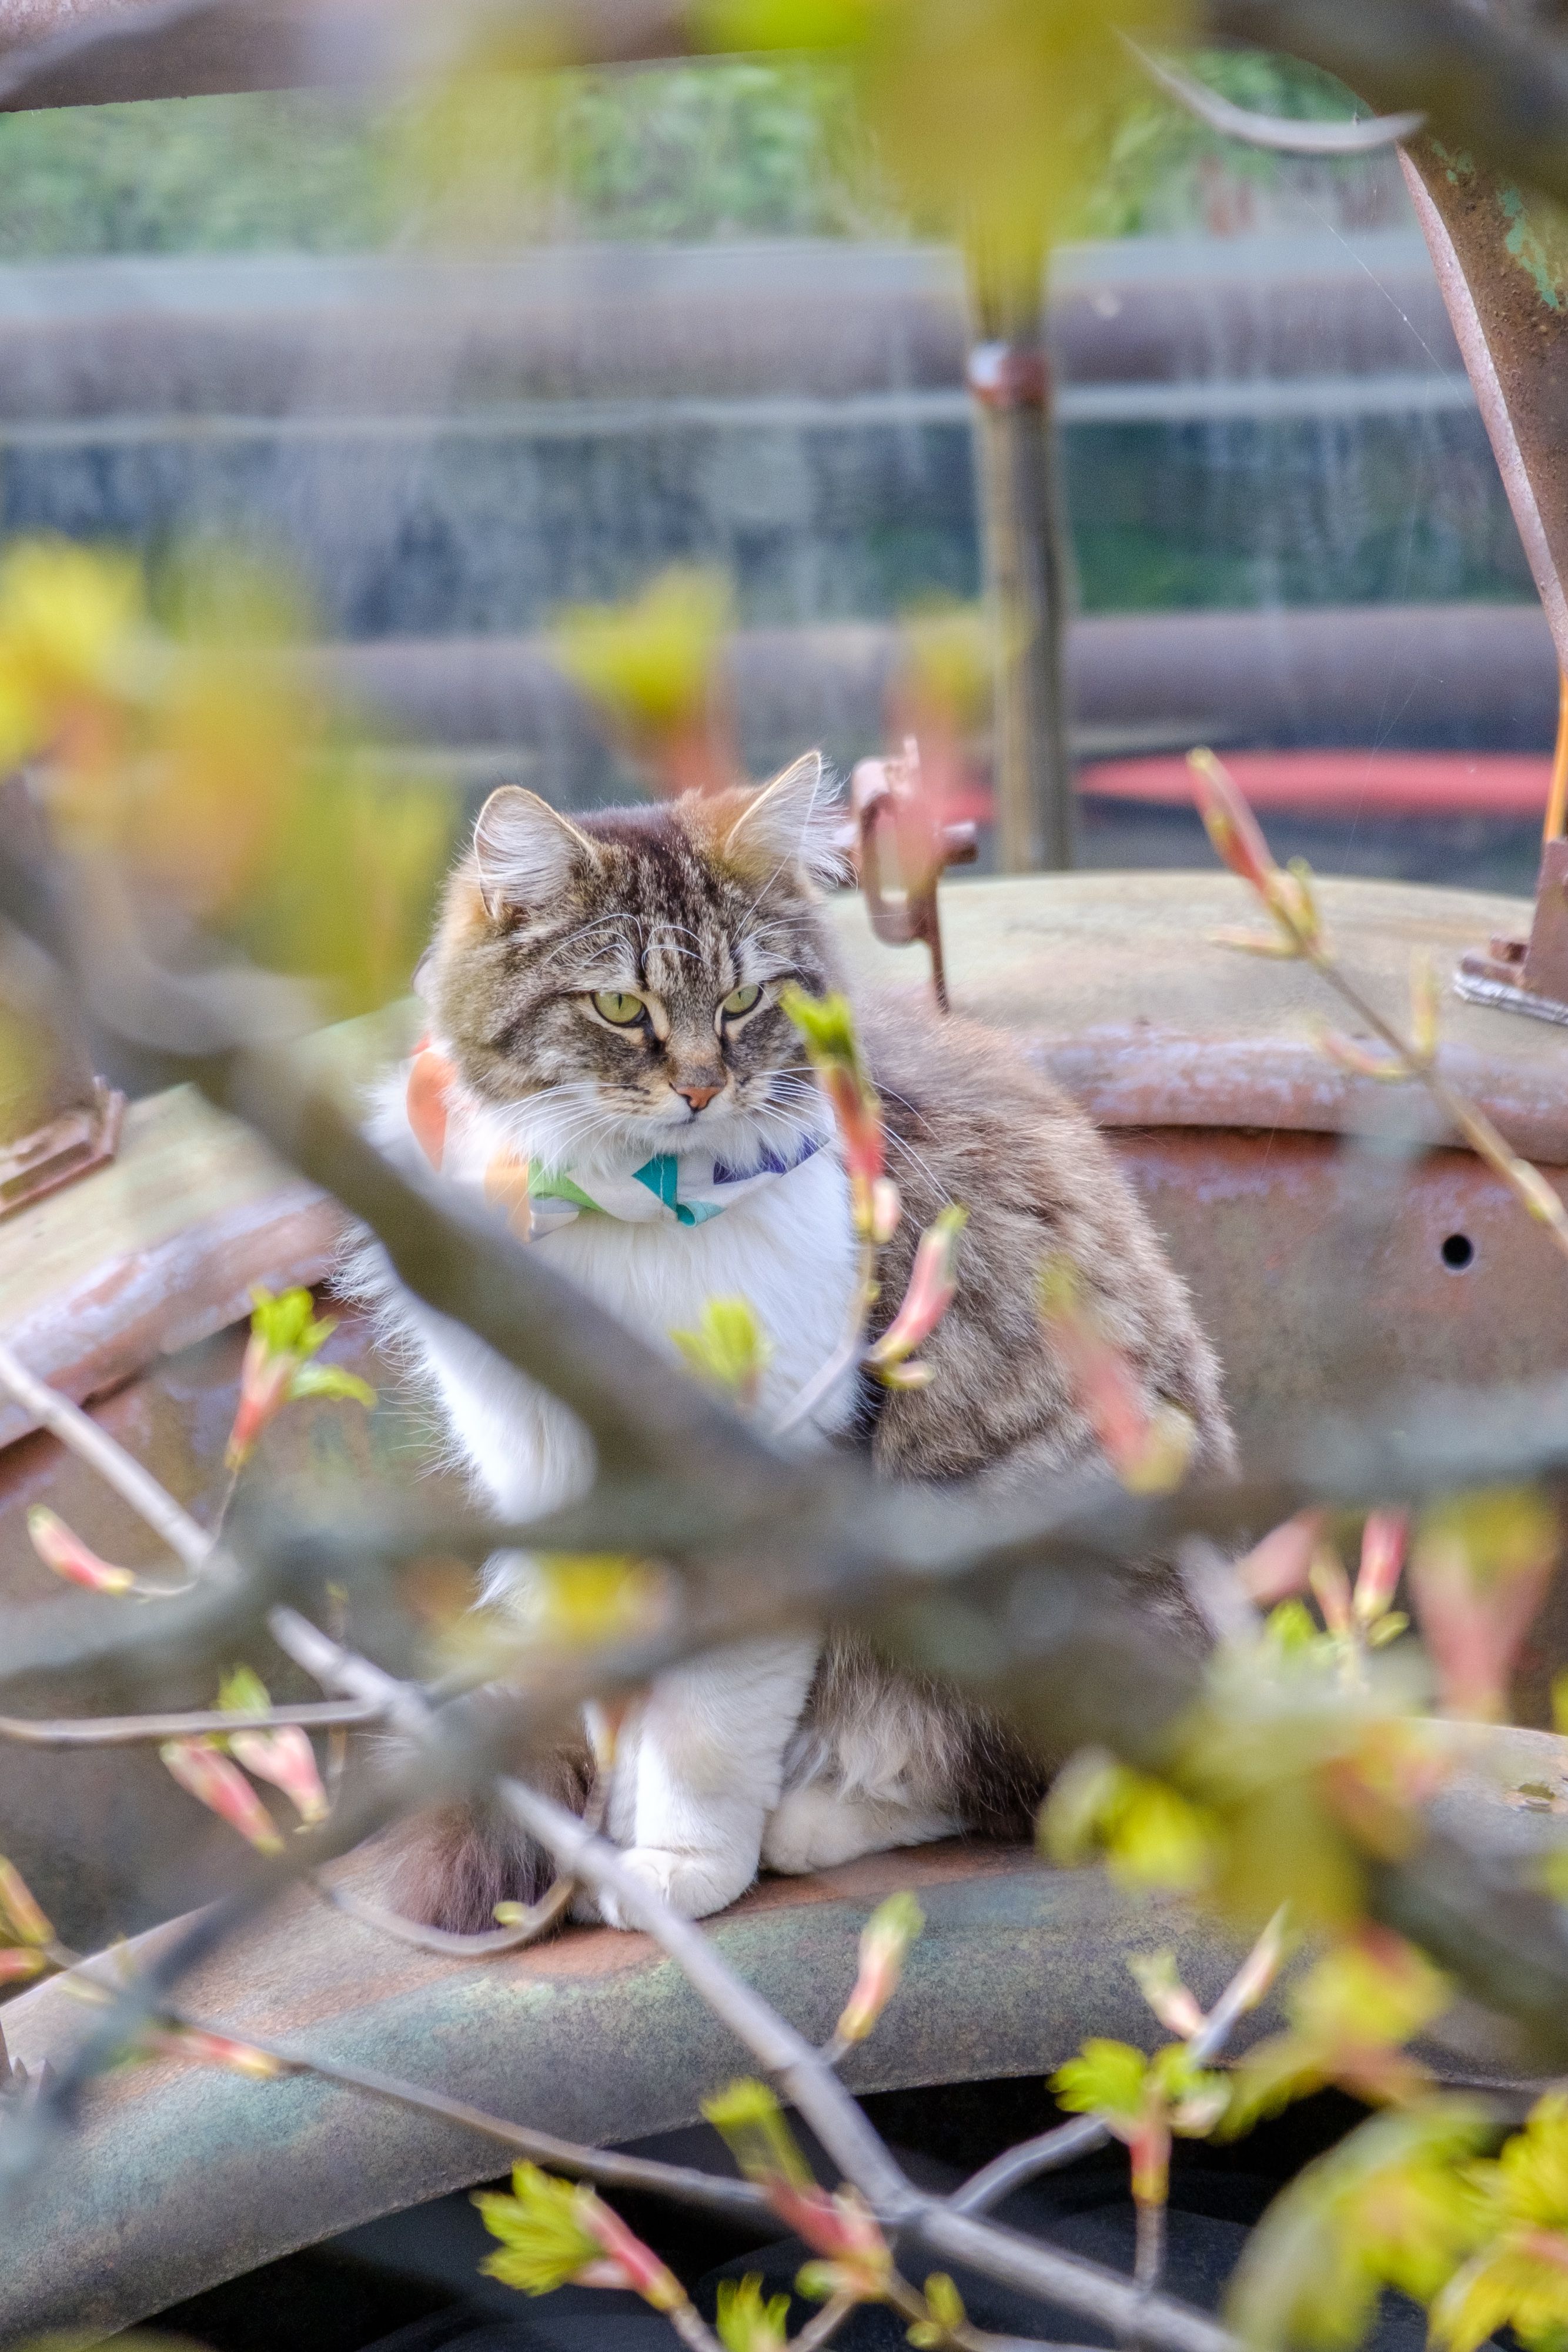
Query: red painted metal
(1347, 784)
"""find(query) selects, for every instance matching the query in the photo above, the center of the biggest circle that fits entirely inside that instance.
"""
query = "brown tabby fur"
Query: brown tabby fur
(968, 1121)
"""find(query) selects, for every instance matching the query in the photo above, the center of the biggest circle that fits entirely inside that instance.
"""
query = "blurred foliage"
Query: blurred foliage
(715, 148)
(648, 665)
(1388, 2207)
(193, 748)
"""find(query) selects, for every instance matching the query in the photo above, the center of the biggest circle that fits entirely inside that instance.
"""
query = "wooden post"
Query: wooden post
(1020, 532)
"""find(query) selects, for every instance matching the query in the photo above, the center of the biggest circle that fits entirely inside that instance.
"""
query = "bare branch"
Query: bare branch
(488, 1945)
(120, 1469)
(536, 1921)
(128, 1730)
(1053, 2149)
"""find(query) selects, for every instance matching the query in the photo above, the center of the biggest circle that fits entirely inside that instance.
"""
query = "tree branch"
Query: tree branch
(149, 1501)
(130, 1730)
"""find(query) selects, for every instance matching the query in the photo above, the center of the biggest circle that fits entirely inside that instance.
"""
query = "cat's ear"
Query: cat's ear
(791, 821)
(526, 851)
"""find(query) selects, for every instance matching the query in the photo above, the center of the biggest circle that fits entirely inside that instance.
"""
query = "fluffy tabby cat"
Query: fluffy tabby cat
(603, 994)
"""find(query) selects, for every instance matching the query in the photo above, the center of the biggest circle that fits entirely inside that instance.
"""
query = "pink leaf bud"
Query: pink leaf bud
(20, 1912)
(18, 1967)
(844, 2232)
(1381, 1558)
(1278, 1567)
(204, 2049)
(638, 2265)
(1175, 2007)
(885, 1945)
(1331, 1590)
(287, 1759)
(933, 1285)
(63, 1551)
(828, 1031)
(263, 1390)
(219, 1785)
(886, 1208)
(1258, 1970)
(1148, 1449)
(1478, 1572)
(1234, 830)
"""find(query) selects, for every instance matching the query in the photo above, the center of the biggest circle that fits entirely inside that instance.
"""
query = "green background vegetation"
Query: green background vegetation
(681, 153)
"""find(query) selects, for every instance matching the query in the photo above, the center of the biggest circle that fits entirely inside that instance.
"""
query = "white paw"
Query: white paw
(691, 1884)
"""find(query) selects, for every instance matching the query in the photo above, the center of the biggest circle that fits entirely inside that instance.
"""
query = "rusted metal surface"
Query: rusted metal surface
(181, 2177)
(71, 1144)
(1501, 260)
(1111, 981)
(153, 1251)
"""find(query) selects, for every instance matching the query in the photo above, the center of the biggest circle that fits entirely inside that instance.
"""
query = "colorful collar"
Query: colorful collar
(680, 1189)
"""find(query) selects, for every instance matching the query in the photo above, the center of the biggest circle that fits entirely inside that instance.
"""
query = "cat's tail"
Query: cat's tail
(451, 1864)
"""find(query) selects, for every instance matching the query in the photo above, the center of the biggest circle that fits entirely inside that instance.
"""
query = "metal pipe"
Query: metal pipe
(1022, 536)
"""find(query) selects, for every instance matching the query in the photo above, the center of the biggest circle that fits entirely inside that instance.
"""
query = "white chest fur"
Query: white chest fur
(788, 1249)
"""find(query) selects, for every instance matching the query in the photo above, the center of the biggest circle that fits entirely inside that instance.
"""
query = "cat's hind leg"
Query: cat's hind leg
(818, 1827)
(705, 1768)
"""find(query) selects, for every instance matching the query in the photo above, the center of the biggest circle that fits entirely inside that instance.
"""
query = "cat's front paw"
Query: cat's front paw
(692, 1884)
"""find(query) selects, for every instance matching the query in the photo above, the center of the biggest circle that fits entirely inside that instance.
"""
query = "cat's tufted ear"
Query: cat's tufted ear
(791, 821)
(524, 850)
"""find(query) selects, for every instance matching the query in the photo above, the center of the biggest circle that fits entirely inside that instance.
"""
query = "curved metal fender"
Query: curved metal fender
(181, 2177)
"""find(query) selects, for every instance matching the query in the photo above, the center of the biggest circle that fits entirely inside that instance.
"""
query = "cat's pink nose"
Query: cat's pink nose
(698, 1097)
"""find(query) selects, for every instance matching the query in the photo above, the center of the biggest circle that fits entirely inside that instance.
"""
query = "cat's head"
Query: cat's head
(616, 979)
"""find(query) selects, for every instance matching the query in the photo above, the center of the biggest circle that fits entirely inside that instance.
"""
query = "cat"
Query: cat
(603, 1004)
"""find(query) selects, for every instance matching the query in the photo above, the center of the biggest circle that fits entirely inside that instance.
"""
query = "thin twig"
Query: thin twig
(815, 2090)
(683, 2183)
(127, 1730)
(1524, 1179)
(845, 1355)
(1149, 2251)
(1047, 2153)
(691, 2327)
(824, 2325)
(490, 1944)
(118, 1468)
(1066, 2142)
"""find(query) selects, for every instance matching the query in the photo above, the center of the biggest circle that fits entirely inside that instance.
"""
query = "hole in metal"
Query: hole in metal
(1458, 1252)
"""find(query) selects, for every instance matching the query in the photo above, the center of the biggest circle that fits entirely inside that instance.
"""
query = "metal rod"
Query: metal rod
(1022, 540)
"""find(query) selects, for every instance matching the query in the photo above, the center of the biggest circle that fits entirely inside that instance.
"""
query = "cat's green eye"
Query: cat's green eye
(739, 1001)
(614, 1005)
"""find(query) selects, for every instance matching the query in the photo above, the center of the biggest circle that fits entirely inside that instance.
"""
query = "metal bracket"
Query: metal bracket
(1528, 975)
(68, 1146)
(892, 813)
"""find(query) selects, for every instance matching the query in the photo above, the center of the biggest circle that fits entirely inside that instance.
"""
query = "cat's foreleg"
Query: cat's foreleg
(703, 1770)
